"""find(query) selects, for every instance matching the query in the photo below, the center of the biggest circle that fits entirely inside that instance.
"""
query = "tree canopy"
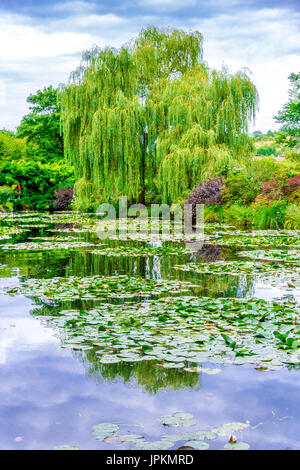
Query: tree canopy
(289, 116)
(152, 116)
(41, 127)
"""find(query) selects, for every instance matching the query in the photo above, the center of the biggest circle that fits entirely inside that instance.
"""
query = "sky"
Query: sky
(41, 42)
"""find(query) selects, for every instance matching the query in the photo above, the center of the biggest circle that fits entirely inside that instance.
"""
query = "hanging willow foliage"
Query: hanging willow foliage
(152, 115)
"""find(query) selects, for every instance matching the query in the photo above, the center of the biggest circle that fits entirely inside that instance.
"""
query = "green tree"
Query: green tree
(152, 116)
(41, 127)
(12, 148)
(289, 116)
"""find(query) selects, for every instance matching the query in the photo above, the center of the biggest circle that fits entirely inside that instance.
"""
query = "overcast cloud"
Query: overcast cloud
(42, 41)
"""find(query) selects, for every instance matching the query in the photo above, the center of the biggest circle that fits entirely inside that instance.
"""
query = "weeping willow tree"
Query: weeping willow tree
(152, 116)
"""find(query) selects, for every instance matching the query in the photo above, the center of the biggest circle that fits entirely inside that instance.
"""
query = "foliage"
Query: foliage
(213, 214)
(12, 148)
(269, 214)
(239, 215)
(152, 114)
(292, 216)
(63, 199)
(38, 181)
(235, 267)
(41, 127)
(289, 116)
(33, 158)
(184, 330)
(97, 287)
(209, 193)
(292, 184)
(240, 188)
(267, 150)
(5, 198)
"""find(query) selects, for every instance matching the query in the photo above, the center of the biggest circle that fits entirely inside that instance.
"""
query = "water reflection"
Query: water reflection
(51, 396)
(147, 374)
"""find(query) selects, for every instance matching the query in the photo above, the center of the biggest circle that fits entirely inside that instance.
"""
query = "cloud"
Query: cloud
(24, 41)
(77, 6)
(167, 5)
(267, 41)
(90, 22)
(40, 51)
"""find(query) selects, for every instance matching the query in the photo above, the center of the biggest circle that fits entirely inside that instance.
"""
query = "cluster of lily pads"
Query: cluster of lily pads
(47, 245)
(291, 256)
(183, 332)
(247, 239)
(143, 250)
(192, 334)
(110, 433)
(98, 287)
(238, 267)
(7, 231)
(55, 238)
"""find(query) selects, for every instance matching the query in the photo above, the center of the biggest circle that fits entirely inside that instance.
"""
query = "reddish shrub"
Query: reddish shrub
(209, 193)
(292, 184)
(63, 199)
(270, 186)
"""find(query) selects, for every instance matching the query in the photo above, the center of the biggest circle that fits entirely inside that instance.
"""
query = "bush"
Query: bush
(269, 214)
(213, 214)
(240, 188)
(292, 217)
(293, 156)
(209, 193)
(240, 216)
(63, 199)
(294, 197)
(267, 150)
(271, 190)
(38, 181)
(5, 198)
(292, 184)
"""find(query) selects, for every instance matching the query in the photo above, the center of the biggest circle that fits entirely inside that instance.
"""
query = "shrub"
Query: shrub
(272, 190)
(38, 181)
(63, 199)
(240, 188)
(209, 253)
(5, 198)
(240, 216)
(267, 150)
(294, 197)
(292, 217)
(266, 169)
(292, 184)
(209, 193)
(293, 156)
(269, 214)
(213, 214)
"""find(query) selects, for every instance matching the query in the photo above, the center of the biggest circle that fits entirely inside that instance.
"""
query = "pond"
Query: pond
(135, 344)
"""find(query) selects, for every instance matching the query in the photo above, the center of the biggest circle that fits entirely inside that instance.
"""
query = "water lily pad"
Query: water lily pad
(237, 446)
(155, 445)
(104, 430)
(199, 445)
(228, 428)
(178, 419)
